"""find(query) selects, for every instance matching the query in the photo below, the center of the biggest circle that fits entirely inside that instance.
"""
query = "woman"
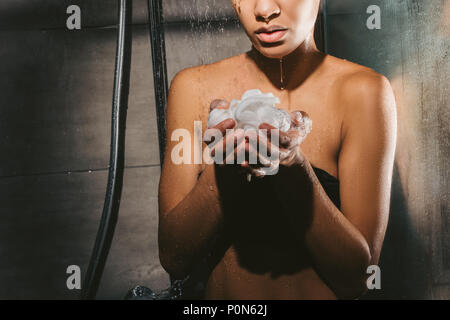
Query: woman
(304, 233)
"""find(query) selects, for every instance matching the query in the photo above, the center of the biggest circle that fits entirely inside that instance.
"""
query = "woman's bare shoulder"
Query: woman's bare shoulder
(356, 84)
(349, 75)
(196, 87)
(363, 94)
(208, 74)
(210, 81)
(353, 79)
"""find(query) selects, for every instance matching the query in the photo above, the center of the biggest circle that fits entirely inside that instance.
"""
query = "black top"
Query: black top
(330, 184)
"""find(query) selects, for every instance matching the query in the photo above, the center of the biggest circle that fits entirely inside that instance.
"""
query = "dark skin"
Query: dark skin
(281, 237)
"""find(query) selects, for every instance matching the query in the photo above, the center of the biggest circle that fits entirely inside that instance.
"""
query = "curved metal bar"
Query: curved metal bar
(156, 26)
(160, 82)
(115, 176)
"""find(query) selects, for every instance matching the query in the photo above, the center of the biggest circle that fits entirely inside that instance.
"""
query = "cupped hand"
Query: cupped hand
(285, 150)
(264, 149)
(223, 140)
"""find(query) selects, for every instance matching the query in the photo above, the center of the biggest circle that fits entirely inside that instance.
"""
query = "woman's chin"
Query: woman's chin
(274, 52)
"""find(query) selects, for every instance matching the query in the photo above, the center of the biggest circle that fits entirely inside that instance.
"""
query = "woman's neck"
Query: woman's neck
(293, 69)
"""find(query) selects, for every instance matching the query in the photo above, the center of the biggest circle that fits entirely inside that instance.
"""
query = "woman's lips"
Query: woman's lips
(270, 37)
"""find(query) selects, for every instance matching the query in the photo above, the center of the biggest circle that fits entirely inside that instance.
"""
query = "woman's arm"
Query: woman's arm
(344, 243)
(189, 209)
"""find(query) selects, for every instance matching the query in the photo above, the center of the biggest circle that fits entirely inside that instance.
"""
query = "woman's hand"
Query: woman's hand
(258, 152)
(287, 145)
(223, 141)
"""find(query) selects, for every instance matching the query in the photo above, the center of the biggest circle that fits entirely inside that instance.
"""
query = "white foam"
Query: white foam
(253, 109)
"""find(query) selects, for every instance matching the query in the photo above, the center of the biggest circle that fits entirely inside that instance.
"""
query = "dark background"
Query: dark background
(55, 99)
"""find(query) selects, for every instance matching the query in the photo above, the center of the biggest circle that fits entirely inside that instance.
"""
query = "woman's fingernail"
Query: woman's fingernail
(285, 139)
(218, 103)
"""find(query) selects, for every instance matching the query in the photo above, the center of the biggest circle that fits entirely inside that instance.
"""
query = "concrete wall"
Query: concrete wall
(56, 92)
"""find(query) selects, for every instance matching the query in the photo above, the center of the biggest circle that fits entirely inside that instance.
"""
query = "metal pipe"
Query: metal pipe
(160, 84)
(116, 165)
(157, 41)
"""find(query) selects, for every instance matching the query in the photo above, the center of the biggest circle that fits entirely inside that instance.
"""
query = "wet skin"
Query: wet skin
(264, 256)
(280, 237)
